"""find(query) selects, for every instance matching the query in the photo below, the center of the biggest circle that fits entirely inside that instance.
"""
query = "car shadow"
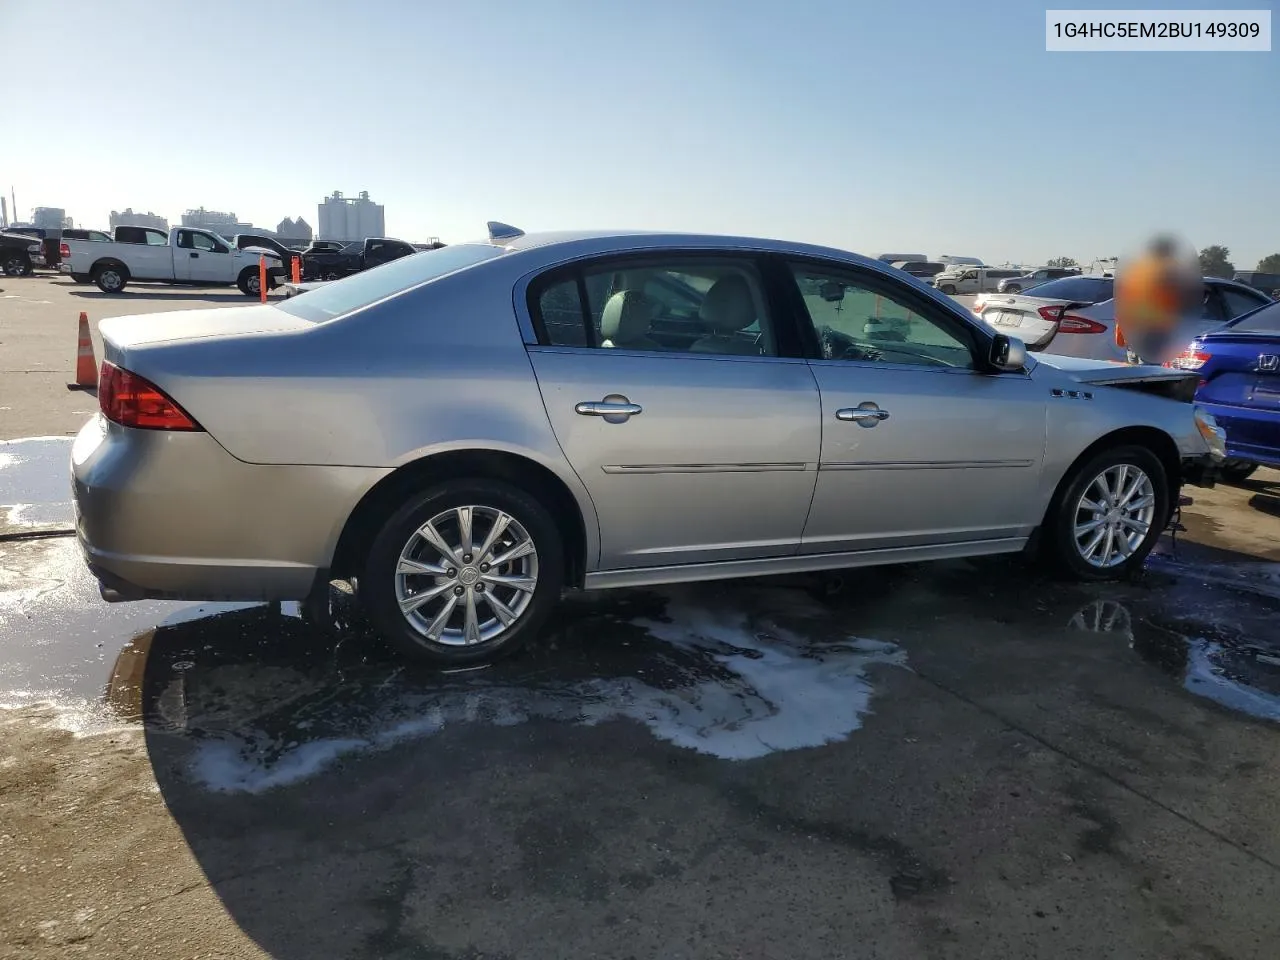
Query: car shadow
(342, 801)
(162, 296)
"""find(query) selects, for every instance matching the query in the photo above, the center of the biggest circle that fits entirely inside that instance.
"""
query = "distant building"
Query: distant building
(51, 218)
(293, 230)
(351, 218)
(225, 224)
(127, 218)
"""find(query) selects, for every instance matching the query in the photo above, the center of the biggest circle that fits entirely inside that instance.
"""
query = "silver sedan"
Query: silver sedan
(466, 432)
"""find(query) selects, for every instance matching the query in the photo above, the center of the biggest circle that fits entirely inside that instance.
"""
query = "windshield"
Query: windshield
(341, 297)
(1084, 289)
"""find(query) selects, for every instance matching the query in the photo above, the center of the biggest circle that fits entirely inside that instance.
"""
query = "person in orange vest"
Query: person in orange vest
(1154, 295)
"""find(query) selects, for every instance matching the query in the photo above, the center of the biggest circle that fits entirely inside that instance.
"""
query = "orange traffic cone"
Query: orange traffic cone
(86, 365)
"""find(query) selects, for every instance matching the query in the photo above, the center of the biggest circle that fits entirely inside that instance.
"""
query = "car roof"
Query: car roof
(588, 241)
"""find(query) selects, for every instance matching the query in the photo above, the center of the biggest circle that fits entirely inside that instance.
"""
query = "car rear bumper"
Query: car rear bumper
(172, 515)
(1245, 428)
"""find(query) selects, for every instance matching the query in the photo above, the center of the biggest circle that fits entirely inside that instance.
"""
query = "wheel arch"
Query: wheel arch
(1153, 438)
(110, 262)
(389, 493)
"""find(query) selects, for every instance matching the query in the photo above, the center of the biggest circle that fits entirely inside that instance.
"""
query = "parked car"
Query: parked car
(18, 254)
(924, 269)
(966, 279)
(1091, 330)
(1239, 369)
(189, 257)
(1037, 276)
(1268, 283)
(468, 431)
(899, 257)
(45, 253)
(75, 233)
(324, 246)
(954, 261)
(354, 257)
(1035, 317)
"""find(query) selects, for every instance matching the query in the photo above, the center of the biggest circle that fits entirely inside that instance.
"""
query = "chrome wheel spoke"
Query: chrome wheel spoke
(1135, 524)
(524, 584)
(1130, 490)
(418, 568)
(500, 609)
(442, 618)
(1148, 501)
(429, 533)
(1093, 506)
(410, 604)
(1108, 545)
(1089, 525)
(1092, 546)
(464, 531)
(471, 621)
(519, 550)
(499, 527)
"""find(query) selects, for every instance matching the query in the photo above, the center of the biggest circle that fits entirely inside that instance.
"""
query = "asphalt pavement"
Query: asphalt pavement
(953, 760)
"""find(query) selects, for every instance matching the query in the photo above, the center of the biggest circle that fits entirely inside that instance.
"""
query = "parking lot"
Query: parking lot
(955, 760)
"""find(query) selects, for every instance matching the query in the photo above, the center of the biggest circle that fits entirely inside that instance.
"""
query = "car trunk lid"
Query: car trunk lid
(121, 334)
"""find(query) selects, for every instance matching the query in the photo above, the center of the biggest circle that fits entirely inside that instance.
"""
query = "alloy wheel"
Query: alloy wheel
(110, 279)
(1114, 515)
(466, 576)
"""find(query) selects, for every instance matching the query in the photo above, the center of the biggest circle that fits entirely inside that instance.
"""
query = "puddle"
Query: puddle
(35, 484)
(1233, 660)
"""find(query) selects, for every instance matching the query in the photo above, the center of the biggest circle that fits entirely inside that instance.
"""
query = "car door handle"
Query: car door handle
(194, 255)
(615, 409)
(865, 414)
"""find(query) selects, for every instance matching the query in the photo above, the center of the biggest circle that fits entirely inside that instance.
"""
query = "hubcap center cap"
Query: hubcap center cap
(468, 576)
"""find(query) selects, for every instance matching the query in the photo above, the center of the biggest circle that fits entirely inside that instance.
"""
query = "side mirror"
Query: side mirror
(1008, 354)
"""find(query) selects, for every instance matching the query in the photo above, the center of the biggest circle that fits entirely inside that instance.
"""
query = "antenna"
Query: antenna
(503, 231)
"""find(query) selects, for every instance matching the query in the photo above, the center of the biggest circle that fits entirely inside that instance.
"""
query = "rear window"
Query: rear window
(341, 297)
(1084, 289)
(1266, 320)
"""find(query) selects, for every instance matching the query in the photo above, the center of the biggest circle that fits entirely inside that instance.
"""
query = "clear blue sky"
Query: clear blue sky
(934, 127)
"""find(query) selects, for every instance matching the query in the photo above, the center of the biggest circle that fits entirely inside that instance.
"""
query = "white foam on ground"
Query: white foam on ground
(772, 693)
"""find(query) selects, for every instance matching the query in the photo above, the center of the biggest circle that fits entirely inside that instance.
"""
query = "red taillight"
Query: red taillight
(1189, 360)
(1073, 324)
(129, 400)
(1052, 314)
(64, 251)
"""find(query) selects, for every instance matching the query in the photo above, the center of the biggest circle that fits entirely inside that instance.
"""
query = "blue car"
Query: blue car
(1239, 367)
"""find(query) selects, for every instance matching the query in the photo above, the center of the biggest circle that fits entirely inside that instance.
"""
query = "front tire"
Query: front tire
(948, 289)
(465, 572)
(1013, 288)
(1109, 514)
(249, 282)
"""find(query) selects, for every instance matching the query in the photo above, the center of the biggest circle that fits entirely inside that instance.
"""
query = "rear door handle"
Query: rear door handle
(865, 414)
(614, 408)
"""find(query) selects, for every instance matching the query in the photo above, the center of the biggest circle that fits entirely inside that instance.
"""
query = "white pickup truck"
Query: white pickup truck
(197, 258)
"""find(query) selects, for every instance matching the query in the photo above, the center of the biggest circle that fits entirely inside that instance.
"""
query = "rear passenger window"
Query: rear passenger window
(678, 305)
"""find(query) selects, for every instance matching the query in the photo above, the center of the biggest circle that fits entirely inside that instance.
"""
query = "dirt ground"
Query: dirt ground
(955, 760)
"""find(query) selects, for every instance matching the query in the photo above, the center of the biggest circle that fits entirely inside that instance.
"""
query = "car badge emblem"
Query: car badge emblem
(1268, 361)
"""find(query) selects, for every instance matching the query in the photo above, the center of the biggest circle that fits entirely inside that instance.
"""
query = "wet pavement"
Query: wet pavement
(950, 760)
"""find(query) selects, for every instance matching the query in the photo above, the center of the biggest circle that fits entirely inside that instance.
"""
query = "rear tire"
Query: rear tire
(17, 264)
(1013, 288)
(1236, 472)
(110, 278)
(1093, 530)
(472, 604)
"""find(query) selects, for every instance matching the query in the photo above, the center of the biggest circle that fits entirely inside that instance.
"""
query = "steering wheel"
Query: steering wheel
(837, 346)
